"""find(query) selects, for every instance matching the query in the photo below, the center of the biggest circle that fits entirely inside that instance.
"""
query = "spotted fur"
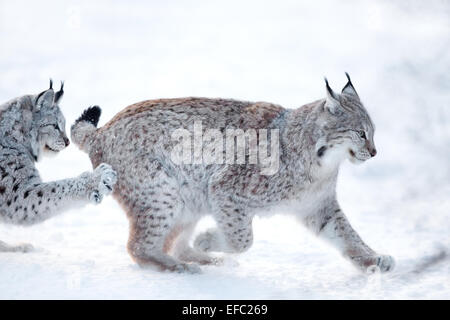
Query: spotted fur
(31, 126)
(164, 200)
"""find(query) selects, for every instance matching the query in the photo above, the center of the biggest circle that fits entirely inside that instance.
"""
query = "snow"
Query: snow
(117, 53)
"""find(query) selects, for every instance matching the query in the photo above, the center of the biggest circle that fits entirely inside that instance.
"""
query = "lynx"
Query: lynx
(32, 126)
(164, 199)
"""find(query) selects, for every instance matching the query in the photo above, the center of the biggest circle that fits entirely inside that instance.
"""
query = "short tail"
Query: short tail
(83, 130)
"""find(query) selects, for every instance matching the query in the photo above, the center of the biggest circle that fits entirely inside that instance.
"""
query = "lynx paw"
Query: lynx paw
(186, 268)
(106, 178)
(191, 255)
(24, 247)
(214, 261)
(383, 263)
(203, 242)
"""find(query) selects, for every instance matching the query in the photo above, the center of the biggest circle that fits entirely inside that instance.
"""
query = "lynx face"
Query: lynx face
(347, 127)
(52, 132)
(50, 122)
(358, 137)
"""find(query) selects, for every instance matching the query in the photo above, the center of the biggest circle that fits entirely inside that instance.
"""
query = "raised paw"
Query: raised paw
(95, 197)
(106, 178)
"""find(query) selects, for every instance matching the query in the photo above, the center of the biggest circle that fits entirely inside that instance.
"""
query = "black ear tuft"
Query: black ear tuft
(51, 83)
(327, 85)
(349, 88)
(39, 96)
(329, 90)
(348, 78)
(91, 114)
(60, 93)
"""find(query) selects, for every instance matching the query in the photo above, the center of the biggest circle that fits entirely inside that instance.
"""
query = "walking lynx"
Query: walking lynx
(31, 126)
(164, 198)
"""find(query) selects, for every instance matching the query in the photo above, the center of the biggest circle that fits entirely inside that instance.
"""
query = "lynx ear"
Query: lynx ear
(60, 93)
(45, 98)
(332, 103)
(349, 88)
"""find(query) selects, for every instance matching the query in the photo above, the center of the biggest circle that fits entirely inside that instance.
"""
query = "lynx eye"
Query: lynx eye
(362, 134)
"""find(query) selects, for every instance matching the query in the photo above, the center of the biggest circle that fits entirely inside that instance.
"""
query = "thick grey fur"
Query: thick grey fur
(164, 201)
(32, 126)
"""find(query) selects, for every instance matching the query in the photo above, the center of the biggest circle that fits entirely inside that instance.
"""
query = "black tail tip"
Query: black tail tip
(91, 114)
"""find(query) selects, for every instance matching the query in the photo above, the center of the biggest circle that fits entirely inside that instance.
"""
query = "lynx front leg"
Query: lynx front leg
(331, 224)
(30, 201)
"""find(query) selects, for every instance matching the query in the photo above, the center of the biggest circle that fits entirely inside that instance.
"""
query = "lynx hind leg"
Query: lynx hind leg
(155, 206)
(23, 247)
(148, 235)
(182, 250)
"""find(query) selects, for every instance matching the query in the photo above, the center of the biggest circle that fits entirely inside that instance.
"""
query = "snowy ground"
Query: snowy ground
(116, 53)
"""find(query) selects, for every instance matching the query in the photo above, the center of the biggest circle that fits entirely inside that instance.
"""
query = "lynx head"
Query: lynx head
(49, 122)
(347, 130)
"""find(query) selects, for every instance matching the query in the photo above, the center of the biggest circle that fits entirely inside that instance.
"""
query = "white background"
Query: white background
(115, 53)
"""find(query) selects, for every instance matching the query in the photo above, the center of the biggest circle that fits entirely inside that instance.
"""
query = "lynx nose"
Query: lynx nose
(373, 152)
(66, 141)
